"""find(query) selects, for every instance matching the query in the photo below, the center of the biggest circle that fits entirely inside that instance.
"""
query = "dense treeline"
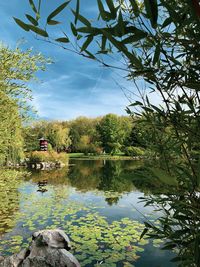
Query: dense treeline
(108, 134)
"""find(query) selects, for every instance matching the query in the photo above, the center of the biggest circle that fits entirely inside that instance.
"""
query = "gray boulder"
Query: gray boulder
(49, 248)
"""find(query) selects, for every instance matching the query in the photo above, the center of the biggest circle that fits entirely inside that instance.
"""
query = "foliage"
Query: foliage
(111, 133)
(58, 136)
(133, 151)
(55, 132)
(47, 156)
(80, 135)
(11, 142)
(17, 68)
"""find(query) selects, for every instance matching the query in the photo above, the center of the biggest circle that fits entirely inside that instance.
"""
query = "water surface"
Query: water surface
(96, 203)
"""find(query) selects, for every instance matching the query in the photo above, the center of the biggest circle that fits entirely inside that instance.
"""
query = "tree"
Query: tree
(11, 142)
(16, 69)
(55, 132)
(111, 133)
(58, 136)
(83, 126)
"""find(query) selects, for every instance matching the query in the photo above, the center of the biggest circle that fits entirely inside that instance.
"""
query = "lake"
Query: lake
(96, 202)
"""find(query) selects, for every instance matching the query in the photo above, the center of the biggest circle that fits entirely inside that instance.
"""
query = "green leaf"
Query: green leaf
(38, 31)
(73, 28)
(151, 7)
(87, 30)
(136, 103)
(33, 6)
(166, 22)
(57, 11)
(23, 25)
(121, 23)
(111, 8)
(134, 38)
(87, 42)
(32, 20)
(101, 10)
(170, 247)
(156, 54)
(82, 19)
(62, 40)
(196, 251)
(90, 55)
(53, 22)
(144, 232)
(77, 11)
(122, 48)
(193, 85)
(103, 44)
(135, 8)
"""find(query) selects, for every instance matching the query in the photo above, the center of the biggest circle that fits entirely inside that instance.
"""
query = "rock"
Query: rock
(49, 248)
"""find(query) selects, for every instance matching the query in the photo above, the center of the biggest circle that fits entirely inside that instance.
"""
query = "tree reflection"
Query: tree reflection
(9, 198)
(113, 178)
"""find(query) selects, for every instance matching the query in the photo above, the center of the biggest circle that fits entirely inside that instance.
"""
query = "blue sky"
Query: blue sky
(72, 86)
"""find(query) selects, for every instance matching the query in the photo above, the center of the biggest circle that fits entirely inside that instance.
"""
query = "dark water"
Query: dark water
(96, 203)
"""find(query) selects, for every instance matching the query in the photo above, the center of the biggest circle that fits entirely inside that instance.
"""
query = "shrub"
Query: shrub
(47, 156)
(133, 151)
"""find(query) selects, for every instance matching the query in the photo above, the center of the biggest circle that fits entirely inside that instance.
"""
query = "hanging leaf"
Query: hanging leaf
(23, 25)
(134, 38)
(77, 11)
(121, 25)
(136, 103)
(53, 22)
(38, 31)
(144, 232)
(101, 10)
(166, 22)
(62, 40)
(32, 20)
(33, 6)
(122, 48)
(112, 8)
(87, 30)
(90, 55)
(151, 7)
(82, 19)
(156, 54)
(135, 8)
(74, 31)
(87, 42)
(57, 11)
(103, 44)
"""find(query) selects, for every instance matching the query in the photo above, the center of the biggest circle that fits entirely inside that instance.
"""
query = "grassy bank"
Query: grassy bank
(99, 157)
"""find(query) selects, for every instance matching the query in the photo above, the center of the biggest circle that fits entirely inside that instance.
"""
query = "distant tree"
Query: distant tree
(58, 136)
(55, 132)
(111, 133)
(83, 126)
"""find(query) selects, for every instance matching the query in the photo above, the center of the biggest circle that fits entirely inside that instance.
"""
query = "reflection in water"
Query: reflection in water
(93, 202)
(9, 201)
